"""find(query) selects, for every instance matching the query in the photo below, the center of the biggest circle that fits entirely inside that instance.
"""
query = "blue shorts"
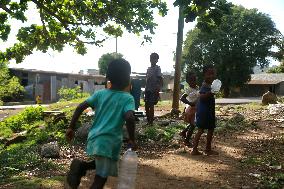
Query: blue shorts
(106, 167)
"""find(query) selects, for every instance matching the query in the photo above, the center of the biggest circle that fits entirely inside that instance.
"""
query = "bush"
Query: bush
(10, 87)
(71, 93)
(20, 121)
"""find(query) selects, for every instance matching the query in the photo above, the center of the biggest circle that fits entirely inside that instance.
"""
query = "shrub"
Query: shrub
(71, 93)
(18, 122)
(10, 87)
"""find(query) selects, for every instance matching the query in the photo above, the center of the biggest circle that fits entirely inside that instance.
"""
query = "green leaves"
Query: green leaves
(75, 23)
(242, 40)
(105, 59)
(10, 87)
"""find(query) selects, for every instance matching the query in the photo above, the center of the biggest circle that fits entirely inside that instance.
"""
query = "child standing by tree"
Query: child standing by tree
(205, 114)
(112, 107)
(192, 93)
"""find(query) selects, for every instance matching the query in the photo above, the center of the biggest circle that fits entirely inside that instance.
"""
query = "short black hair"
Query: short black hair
(154, 56)
(118, 73)
(189, 74)
(206, 67)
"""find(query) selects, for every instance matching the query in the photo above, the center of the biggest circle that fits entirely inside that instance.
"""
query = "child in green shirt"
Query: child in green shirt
(112, 107)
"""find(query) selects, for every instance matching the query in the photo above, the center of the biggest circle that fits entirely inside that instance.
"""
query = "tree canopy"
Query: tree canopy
(243, 40)
(277, 69)
(74, 22)
(105, 59)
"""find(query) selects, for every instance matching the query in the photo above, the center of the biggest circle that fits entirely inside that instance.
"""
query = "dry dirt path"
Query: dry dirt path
(178, 169)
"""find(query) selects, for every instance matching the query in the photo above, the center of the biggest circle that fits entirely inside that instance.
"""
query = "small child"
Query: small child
(192, 93)
(154, 82)
(112, 107)
(205, 114)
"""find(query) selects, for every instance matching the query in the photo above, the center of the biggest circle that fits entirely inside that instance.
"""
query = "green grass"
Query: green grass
(64, 105)
(165, 134)
(36, 182)
(275, 181)
(20, 158)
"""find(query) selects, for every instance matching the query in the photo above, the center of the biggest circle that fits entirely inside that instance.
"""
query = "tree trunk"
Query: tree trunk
(176, 91)
(226, 91)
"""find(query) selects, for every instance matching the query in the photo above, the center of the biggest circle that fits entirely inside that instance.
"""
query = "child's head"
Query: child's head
(209, 73)
(154, 57)
(191, 79)
(118, 73)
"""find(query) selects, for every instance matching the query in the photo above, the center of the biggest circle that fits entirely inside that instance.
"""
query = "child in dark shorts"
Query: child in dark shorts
(205, 114)
(154, 82)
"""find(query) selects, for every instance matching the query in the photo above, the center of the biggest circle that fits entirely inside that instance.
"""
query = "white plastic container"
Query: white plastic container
(128, 170)
(216, 86)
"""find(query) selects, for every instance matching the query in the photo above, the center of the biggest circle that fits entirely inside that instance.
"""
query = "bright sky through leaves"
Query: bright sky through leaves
(163, 42)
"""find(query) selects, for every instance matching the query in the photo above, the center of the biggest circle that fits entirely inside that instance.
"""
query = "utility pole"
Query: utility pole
(115, 44)
(175, 105)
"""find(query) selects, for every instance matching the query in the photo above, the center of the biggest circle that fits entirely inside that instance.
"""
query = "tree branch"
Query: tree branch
(6, 9)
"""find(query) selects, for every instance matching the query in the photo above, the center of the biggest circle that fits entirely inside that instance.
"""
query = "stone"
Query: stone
(82, 132)
(269, 98)
(50, 150)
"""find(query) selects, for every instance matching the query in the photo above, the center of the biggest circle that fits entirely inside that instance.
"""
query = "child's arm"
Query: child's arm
(130, 125)
(78, 111)
(184, 100)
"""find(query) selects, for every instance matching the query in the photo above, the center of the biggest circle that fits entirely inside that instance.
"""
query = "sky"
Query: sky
(163, 42)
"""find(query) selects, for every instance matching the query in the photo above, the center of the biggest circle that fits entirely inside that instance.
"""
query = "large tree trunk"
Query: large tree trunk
(176, 91)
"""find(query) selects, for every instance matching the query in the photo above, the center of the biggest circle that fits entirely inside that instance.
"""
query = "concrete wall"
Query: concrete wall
(47, 84)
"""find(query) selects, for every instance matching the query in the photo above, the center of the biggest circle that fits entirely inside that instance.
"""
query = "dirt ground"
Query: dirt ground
(176, 168)
(237, 165)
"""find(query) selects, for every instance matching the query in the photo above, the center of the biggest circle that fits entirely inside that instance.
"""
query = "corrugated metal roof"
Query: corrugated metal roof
(266, 79)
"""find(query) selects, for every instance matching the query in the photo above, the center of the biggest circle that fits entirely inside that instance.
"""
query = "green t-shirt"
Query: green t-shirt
(105, 136)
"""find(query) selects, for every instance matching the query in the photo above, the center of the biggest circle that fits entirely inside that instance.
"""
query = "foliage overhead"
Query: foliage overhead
(207, 12)
(73, 22)
(243, 40)
(10, 87)
(105, 59)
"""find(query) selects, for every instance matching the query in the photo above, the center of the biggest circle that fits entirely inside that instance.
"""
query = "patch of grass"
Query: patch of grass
(254, 106)
(234, 124)
(253, 160)
(22, 157)
(159, 133)
(61, 105)
(35, 182)
(273, 182)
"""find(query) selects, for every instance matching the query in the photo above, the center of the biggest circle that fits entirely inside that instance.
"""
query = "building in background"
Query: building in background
(47, 83)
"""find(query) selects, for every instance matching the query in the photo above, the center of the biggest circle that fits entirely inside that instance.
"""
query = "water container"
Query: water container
(216, 86)
(128, 170)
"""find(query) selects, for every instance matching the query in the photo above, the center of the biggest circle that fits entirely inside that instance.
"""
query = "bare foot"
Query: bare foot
(211, 152)
(195, 153)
